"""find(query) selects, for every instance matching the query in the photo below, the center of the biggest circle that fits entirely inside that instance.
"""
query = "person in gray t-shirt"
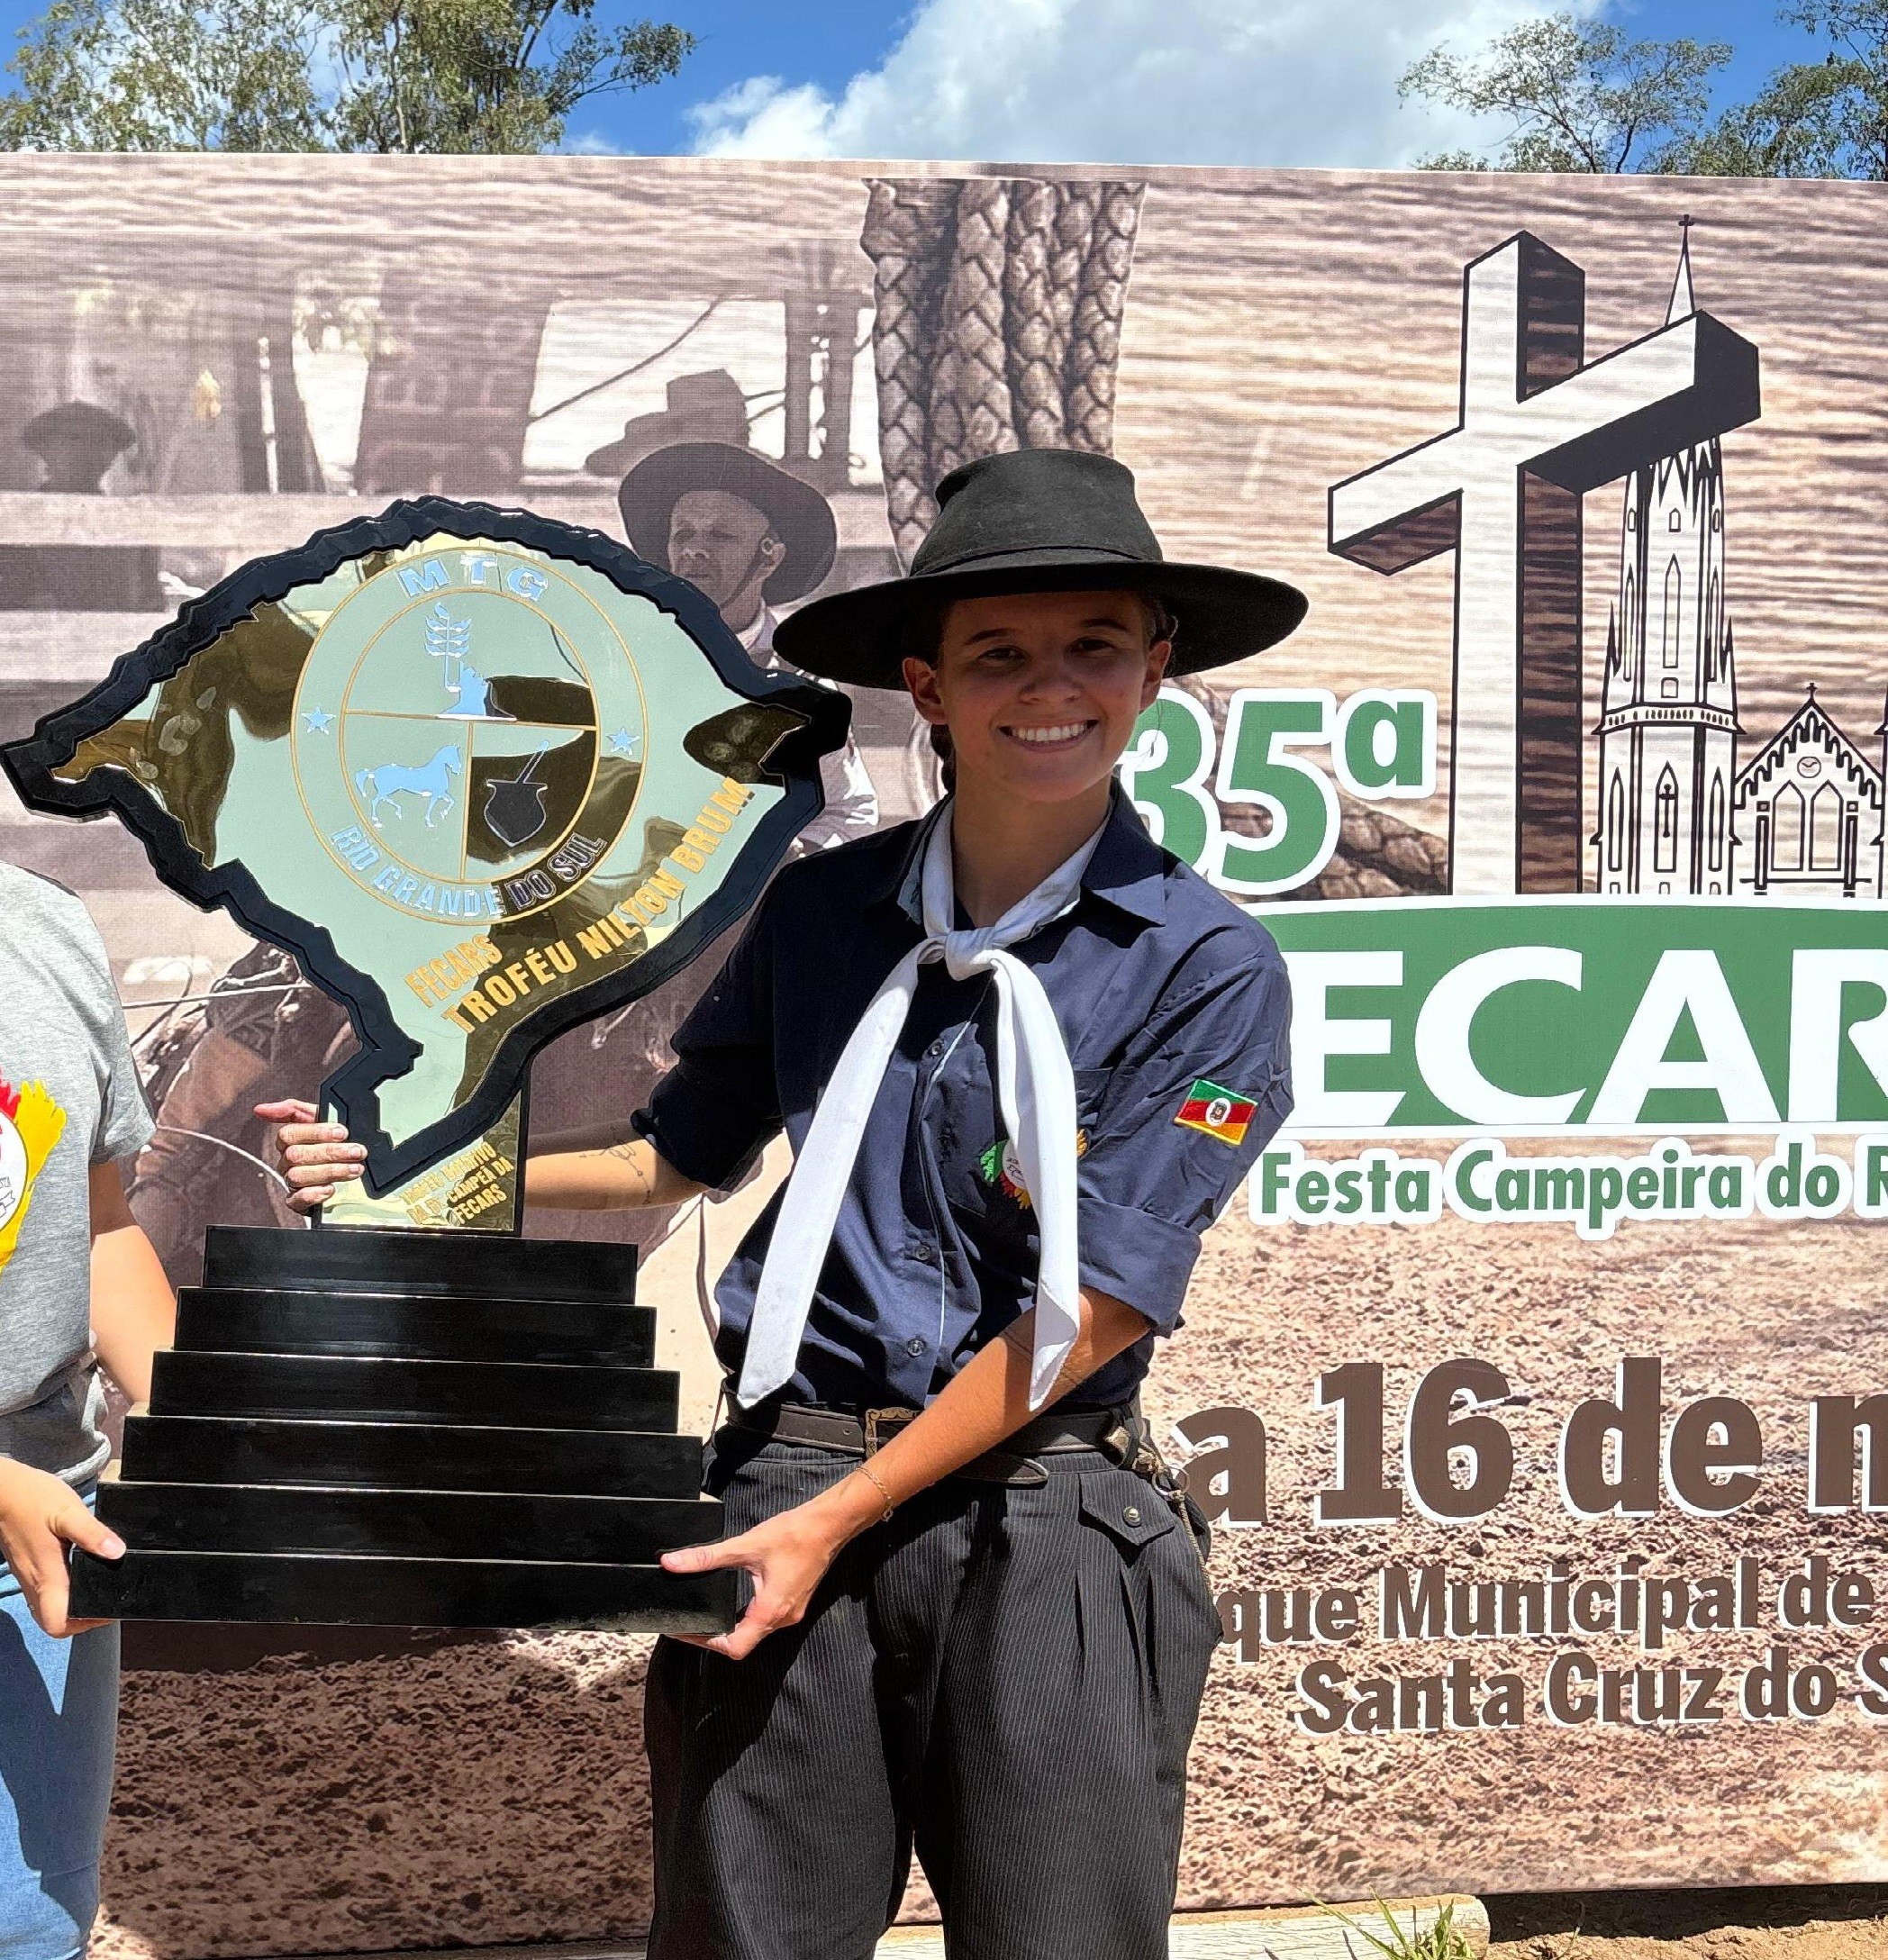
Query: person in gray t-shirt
(79, 1283)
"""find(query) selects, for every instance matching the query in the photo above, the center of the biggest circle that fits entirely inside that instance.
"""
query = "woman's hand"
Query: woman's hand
(40, 1516)
(313, 1157)
(788, 1554)
(985, 1401)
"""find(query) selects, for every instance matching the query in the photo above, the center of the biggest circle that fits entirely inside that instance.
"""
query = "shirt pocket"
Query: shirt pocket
(964, 1122)
(982, 1175)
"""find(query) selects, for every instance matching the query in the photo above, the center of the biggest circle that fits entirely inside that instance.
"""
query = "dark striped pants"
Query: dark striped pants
(1007, 1677)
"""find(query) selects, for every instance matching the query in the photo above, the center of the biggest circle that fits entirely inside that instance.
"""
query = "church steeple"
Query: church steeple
(1668, 703)
(1682, 303)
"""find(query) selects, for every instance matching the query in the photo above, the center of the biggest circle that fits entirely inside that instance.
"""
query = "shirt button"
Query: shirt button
(1131, 1515)
(935, 1049)
(915, 1345)
(924, 1255)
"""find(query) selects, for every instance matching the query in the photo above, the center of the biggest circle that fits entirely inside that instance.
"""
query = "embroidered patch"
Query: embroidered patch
(30, 1123)
(1217, 1112)
(1001, 1167)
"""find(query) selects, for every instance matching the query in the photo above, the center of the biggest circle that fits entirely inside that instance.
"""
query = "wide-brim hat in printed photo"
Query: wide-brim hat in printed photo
(707, 407)
(1039, 521)
(797, 514)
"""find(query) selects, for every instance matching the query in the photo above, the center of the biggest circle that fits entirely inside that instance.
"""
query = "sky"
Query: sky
(1180, 81)
(1259, 82)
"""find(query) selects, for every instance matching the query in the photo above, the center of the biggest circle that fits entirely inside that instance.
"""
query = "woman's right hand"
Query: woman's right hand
(40, 1516)
(313, 1157)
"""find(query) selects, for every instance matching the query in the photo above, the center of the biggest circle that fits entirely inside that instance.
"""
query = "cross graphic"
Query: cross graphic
(1538, 427)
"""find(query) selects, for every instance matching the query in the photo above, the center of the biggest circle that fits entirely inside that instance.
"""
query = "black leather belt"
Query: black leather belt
(1116, 1433)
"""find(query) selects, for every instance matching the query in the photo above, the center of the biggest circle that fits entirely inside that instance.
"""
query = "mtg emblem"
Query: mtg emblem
(486, 775)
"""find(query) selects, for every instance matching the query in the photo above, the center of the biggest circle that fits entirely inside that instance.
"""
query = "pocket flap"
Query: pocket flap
(1126, 1509)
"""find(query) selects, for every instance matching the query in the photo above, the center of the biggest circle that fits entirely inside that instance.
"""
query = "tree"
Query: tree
(501, 76)
(1827, 118)
(432, 76)
(166, 75)
(1795, 126)
(1578, 96)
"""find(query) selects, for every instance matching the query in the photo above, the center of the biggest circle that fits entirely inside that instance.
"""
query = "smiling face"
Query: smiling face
(1040, 691)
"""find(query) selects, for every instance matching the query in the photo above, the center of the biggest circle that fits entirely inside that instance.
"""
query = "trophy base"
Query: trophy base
(412, 1429)
(316, 1588)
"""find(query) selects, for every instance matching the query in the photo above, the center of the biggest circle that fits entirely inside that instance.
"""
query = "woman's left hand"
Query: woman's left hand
(788, 1554)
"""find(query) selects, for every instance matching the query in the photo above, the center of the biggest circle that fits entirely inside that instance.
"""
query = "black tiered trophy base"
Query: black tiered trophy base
(408, 1428)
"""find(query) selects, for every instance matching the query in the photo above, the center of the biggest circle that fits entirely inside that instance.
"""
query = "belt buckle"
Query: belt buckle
(884, 1419)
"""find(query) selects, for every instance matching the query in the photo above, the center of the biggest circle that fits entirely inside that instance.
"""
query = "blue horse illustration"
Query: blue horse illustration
(432, 780)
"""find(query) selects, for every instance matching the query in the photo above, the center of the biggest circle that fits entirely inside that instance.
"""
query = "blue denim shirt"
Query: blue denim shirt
(1175, 1010)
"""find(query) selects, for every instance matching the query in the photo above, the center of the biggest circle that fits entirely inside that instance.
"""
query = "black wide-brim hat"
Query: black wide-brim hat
(1038, 520)
(82, 425)
(796, 513)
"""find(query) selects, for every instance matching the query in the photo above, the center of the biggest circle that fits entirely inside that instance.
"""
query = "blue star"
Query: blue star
(319, 723)
(626, 744)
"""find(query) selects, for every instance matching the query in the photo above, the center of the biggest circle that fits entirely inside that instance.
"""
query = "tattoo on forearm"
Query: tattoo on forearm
(626, 1154)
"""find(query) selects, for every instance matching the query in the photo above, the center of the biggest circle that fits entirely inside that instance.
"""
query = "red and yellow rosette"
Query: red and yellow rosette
(30, 1124)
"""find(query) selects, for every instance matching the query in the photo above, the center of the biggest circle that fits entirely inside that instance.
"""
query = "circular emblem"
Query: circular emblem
(468, 732)
(1219, 1112)
(14, 1177)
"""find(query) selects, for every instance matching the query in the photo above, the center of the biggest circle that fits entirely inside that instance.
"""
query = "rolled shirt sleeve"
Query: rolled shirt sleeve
(1173, 1128)
(718, 1108)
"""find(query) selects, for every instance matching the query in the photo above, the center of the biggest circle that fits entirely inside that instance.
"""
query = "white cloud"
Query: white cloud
(1128, 81)
(593, 143)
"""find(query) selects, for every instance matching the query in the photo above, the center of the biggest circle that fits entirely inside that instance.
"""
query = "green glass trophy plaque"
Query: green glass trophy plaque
(487, 777)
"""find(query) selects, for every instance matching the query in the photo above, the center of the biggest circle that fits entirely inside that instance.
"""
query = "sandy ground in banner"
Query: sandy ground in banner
(495, 1792)
(1772, 1314)
(1811, 1922)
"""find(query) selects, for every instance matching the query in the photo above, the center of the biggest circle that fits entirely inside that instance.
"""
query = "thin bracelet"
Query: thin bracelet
(871, 1476)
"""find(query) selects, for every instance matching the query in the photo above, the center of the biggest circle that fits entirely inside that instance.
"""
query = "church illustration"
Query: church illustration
(1676, 812)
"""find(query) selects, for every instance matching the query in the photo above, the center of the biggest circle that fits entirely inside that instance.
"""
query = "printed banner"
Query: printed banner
(1536, 1381)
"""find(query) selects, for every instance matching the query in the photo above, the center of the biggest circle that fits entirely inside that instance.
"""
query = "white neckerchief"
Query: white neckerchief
(1035, 1087)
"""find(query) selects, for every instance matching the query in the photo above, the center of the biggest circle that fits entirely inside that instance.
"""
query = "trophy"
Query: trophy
(487, 777)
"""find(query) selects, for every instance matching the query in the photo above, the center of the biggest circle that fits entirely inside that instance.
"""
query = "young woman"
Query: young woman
(1024, 1057)
(77, 1278)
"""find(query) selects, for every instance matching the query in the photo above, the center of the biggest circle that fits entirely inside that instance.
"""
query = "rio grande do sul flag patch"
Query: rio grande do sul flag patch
(1218, 1112)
